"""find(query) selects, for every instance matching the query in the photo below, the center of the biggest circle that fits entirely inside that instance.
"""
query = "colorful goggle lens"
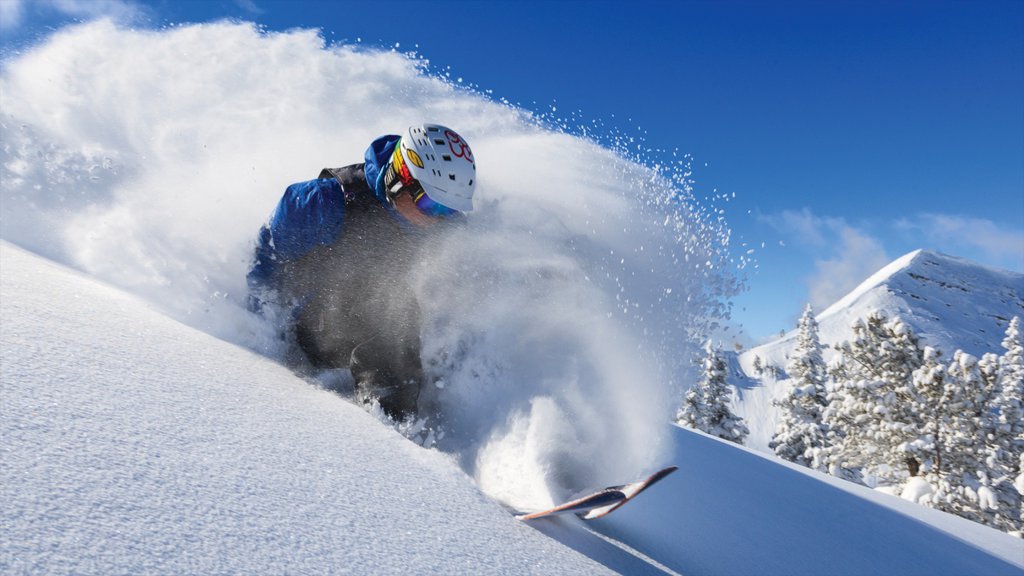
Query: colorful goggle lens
(429, 207)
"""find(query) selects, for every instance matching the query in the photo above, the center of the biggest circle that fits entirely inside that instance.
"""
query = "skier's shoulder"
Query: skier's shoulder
(350, 179)
(357, 181)
(311, 212)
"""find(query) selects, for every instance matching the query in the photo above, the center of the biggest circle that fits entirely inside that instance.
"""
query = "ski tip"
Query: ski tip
(666, 471)
(602, 502)
(631, 491)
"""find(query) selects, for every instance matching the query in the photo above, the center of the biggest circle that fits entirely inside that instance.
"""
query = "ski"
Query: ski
(599, 499)
(602, 502)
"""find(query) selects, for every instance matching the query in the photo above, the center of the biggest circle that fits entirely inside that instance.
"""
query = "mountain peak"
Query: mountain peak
(950, 302)
(925, 267)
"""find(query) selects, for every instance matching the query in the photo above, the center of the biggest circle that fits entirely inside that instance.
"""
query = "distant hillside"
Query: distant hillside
(951, 304)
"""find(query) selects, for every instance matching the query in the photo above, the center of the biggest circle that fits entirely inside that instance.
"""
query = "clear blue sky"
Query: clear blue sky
(851, 132)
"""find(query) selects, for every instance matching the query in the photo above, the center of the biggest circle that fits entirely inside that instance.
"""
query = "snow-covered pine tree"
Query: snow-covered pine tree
(962, 475)
(1011, 386)
(872, 409)
(706, 406)
(932, 397)
(1004, 431)
(1018, 484)
(800, 435)
(693, 412)
(967, 444)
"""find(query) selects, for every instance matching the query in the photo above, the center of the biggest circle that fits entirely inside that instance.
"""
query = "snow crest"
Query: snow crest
(559, 324)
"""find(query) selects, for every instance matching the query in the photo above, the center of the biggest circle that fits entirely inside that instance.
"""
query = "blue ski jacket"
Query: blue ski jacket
(312, 214)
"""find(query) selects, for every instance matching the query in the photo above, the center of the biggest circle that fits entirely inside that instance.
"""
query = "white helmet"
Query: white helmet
(443, 164)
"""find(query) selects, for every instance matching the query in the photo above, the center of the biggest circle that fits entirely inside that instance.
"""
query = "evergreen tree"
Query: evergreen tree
(933, 399)
(1018, 484)
(801, 436)
(693, 412)
(961, 477)
(1004, 430)
(1011, 387)
(871, 410)
(706, 405)
(967, 445)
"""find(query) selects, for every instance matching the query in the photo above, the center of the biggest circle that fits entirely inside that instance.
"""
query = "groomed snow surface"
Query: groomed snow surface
(135, 444)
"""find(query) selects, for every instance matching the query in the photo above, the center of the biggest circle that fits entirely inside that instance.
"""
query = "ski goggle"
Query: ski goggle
(428, 206)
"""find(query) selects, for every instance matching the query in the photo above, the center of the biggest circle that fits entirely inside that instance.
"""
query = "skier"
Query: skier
(334, 259)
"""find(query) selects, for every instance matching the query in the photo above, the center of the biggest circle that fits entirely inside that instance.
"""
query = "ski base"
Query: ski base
(602, 502)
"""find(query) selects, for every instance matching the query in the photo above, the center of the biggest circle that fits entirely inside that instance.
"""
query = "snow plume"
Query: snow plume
(559, 324)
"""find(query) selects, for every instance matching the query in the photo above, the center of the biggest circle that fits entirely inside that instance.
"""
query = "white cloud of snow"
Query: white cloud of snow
(150, 159)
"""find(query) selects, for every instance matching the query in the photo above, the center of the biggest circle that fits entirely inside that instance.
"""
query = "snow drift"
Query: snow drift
(134, 444)
(564, 315)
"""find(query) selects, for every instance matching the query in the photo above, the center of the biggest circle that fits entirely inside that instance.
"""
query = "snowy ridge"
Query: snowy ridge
(950, 303)
(872, 281)
(136, 444)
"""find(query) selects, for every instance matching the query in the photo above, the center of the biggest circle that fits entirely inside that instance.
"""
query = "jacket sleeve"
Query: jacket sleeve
(309, 214)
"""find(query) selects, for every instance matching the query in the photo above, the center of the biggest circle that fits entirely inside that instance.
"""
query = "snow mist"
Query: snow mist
(559, 323)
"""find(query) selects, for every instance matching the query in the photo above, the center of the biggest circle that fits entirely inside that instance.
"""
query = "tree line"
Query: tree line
(948, 432)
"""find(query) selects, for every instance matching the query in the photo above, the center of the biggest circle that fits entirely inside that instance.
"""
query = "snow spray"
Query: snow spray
(558, 323)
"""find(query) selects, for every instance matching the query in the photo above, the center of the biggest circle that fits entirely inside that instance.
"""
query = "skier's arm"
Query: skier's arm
(309, 214)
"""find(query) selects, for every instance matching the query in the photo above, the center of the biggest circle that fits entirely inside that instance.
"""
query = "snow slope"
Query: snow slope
(730, 510)
(951, 303)
(136, 444)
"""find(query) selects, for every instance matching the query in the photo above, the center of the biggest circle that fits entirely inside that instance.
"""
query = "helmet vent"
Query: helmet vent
(432, 128)
(451, 177)
(446, 158)
(439, 141)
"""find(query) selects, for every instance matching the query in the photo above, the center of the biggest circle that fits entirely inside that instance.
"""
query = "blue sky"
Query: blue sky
(850, 132)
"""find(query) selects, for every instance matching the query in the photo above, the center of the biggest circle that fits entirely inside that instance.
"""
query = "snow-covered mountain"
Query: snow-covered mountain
(949, 302)
(135, 444)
